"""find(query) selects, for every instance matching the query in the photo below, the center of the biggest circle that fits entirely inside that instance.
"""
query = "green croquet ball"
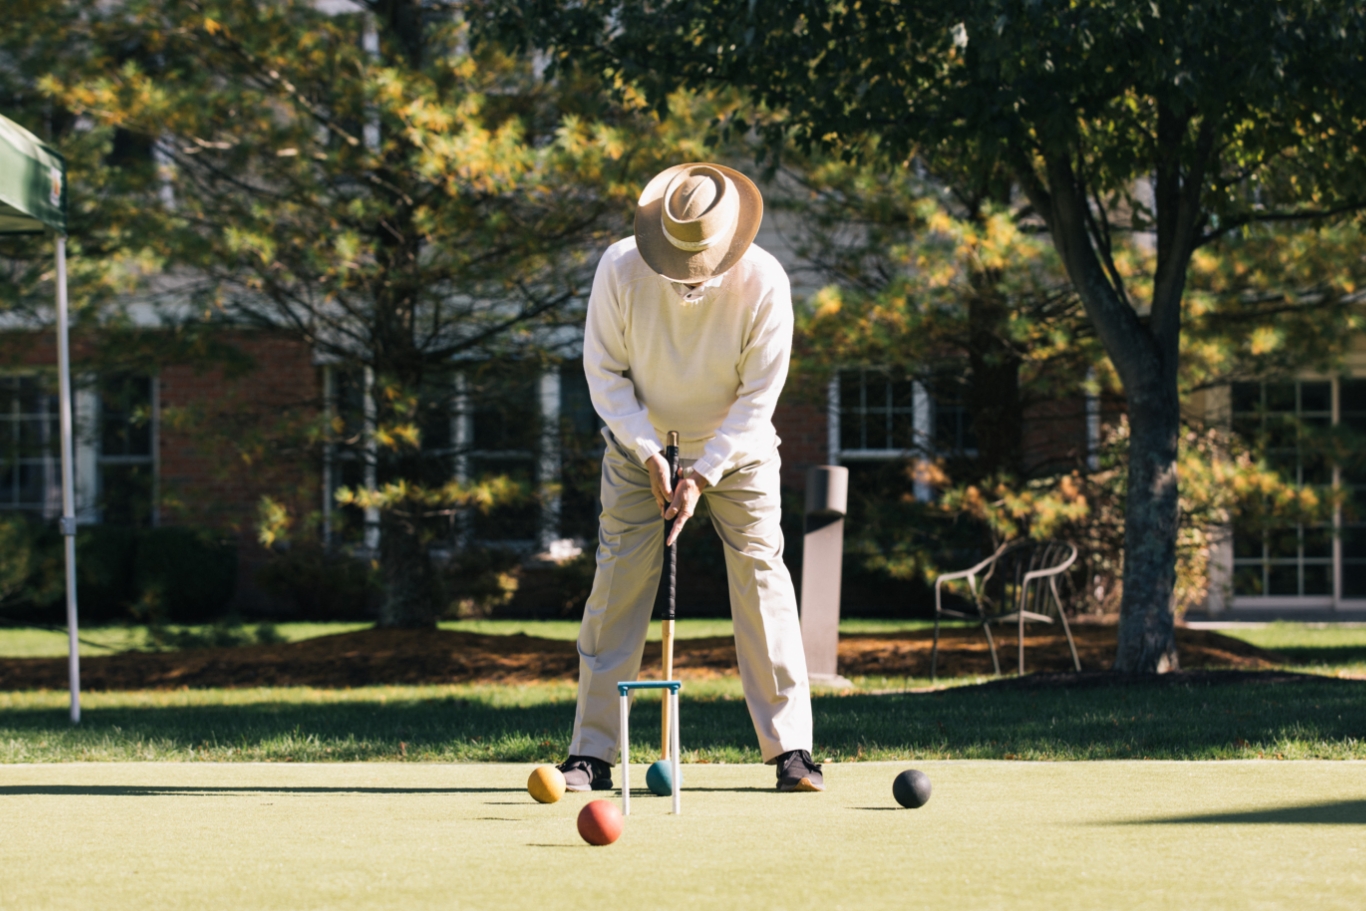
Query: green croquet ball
(911, 789)
(659, 778)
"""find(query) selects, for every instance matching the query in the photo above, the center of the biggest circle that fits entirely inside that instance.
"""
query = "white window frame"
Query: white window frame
(1222, 599)
(546, 460)
(922, 432)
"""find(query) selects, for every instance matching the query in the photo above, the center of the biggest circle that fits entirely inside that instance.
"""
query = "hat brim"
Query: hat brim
(702, 265)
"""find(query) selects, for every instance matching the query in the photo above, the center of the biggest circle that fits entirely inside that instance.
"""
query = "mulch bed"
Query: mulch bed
(416, 657)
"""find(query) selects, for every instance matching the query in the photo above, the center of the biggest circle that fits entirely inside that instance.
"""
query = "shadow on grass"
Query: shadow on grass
(62, 790)
(1313, 717)
(1330, 655)
(1332, 813)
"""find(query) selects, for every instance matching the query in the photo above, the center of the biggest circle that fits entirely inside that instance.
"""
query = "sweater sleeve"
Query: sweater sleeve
(606, 363)
(763, 371)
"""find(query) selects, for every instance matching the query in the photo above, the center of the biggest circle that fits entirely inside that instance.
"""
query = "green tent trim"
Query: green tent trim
(32, 183)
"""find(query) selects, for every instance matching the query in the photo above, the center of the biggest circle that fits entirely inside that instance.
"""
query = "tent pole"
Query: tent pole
(68, 485)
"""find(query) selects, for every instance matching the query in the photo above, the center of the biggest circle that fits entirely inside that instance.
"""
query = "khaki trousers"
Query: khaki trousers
(745, 511)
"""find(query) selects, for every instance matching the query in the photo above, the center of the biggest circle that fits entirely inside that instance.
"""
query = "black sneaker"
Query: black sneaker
(798, 772)
(586, 773)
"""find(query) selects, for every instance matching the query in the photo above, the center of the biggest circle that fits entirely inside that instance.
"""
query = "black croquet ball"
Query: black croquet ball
(911, 789)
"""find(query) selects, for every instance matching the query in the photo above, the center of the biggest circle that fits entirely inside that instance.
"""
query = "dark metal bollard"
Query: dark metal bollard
(827, 500)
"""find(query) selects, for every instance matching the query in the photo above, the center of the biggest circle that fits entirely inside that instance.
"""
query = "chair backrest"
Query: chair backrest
(1000, 585)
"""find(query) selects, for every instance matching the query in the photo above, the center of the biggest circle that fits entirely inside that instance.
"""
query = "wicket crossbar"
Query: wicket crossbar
(624, 690)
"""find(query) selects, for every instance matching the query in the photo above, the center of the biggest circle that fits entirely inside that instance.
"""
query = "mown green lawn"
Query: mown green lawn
(1320, 648)
(1009, 835)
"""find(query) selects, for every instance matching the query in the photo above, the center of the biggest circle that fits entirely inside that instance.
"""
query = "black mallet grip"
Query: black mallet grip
(669, 583)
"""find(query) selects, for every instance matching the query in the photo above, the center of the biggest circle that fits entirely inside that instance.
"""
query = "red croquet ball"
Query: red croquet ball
(600, 822)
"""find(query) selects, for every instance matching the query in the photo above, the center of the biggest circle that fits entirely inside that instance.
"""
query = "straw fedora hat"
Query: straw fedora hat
(694, 221)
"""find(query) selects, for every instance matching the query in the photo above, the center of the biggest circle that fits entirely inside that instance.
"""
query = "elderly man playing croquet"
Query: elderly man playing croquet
(690, 330)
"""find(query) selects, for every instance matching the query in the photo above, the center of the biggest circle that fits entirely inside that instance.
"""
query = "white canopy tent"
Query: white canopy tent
(33, 201)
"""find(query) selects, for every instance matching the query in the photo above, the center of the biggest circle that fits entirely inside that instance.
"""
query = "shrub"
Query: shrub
(182, 576)
(317, 585)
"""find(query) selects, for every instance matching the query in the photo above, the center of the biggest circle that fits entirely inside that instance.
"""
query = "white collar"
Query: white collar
(692, 295)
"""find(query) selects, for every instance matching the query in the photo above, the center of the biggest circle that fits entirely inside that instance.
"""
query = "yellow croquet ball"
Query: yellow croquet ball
(546, 784)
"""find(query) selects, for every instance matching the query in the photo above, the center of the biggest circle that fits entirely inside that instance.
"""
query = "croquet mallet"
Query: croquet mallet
(669, 584)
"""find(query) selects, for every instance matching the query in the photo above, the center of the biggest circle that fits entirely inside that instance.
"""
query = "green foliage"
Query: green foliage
(478, 581)
(227, 632)
(157, 575)
(1191, 121)
(182, 575)
(908, 256)
(313, 584)
(1272, 301)
(395, 205)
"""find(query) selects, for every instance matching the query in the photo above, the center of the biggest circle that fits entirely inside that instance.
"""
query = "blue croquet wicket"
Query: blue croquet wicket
(624, 690)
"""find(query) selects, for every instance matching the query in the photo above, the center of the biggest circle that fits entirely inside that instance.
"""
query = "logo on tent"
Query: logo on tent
(56, 176)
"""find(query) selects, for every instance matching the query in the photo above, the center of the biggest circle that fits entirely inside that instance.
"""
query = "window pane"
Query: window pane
(1284, 462)
(32, 484)
(1248, 428)
(1318, 542)
(1247, 397)
(348, 400)
(506, 414)
(1283, 579)
(1283, 544)
(1354, 543)
(1316, 469)
(1352, 395)
(126, 416)
(436, 410)
(876, 411)
(853, 432)
(1247, 579)
(851, 390)
(1282, 431)
(126, 495)
(1316, 397)
(33, 397)
(1318, 578)
(1247, 543)
(34, 438)
(1353, 579)
(1280, 397)
(576, 405)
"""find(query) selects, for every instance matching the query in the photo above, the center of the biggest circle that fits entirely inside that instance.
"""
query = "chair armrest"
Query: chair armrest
(1052, 570)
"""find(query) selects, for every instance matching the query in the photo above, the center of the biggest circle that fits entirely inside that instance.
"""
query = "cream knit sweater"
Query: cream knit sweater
(709, 363)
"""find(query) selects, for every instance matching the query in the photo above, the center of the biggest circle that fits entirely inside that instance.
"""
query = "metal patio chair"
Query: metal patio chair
(1012, 584)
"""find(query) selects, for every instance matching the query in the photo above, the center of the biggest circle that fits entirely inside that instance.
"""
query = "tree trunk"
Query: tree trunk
(1145, 357)
(993, 398)
(409, 585)
(1147, 641)
(404, 557)
(405, 560)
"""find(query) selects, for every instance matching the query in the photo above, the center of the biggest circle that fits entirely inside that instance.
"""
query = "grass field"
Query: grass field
(1133, 835)
(413, 796)
(1317, 719)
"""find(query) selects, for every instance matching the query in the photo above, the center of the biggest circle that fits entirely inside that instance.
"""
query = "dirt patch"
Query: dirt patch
(965, 653)
(373, 656)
